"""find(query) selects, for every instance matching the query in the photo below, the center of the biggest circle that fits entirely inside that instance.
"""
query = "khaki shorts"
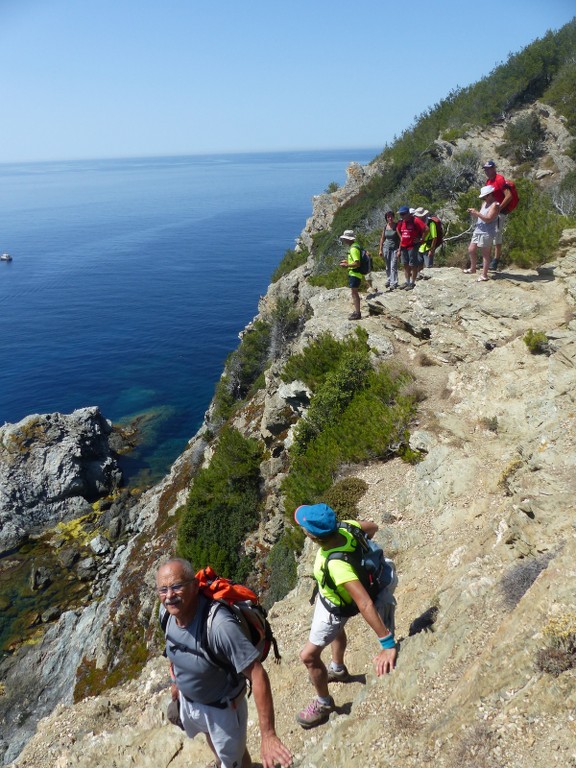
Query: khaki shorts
(482, 240)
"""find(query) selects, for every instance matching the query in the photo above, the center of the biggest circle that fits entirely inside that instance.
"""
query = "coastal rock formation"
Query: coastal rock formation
(51, 468)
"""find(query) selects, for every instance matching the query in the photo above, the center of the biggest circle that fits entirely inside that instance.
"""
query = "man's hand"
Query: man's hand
(272, 752)
(385, 661)
(174, 691)
(344, 263)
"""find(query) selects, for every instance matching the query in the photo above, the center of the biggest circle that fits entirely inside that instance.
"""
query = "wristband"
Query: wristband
(387, 642)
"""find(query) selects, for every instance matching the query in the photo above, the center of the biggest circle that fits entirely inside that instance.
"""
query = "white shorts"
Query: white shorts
(226, 728)
(482, 240)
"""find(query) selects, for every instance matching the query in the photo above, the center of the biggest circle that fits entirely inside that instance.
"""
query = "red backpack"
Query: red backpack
(513, 200)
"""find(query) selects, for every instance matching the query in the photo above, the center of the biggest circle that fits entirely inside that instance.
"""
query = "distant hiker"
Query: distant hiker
(388, 250)
(352, 264)
(484, 232)
(428, 246)
(212, 696)
(341, 595)
(502, 195)
(411, 232)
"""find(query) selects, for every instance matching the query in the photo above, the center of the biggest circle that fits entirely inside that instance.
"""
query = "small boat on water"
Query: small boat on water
(5, 257)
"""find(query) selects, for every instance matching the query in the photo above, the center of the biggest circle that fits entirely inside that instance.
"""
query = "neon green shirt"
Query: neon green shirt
(352, 258)
(432, 235)
(340, 571)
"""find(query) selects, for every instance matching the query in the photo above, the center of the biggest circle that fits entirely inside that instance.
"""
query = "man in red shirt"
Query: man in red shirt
(502, 196)
(412, 232)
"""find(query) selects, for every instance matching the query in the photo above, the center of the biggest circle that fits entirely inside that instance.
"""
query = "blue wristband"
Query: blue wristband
(387, 642)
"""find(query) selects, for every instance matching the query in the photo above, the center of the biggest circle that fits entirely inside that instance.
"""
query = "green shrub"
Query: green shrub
(372, 424)
(283, 565)
(562, 93)
(344, 496)
(284, 320)
(319, 358)
(339, 387)
(537, 342)
(523, 139)
(290, 261)
(223, 506)
(242, 369)
(332, 187)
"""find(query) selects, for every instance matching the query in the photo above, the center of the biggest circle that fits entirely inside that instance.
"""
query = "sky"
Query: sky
(126, 78)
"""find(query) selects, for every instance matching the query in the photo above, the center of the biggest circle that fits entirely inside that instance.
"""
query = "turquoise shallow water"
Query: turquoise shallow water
(131, 279)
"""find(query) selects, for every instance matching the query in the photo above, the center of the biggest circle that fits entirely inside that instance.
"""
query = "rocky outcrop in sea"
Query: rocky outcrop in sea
(52, 467)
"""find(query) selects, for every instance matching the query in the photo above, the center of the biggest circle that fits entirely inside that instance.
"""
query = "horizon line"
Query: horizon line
(190, 154)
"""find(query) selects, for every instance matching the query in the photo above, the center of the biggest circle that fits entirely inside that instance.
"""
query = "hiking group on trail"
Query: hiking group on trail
(412, 241)
(217, 635)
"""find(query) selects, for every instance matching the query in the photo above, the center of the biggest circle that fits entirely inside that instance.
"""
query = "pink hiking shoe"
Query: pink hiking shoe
(315, 713)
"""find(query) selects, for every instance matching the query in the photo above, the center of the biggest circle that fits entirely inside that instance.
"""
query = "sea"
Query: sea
(131, 278)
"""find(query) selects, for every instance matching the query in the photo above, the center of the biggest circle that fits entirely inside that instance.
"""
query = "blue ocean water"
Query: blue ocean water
(131, 280)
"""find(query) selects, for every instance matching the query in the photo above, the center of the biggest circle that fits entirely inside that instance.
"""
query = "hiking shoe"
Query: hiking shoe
(315, 714)
(387, 284)
(405, 286)
(410, 286)
(493, 265)
(338, 676)
(355, 316)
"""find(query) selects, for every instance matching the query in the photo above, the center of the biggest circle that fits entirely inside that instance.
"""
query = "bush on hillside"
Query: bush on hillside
(344, 496)
(564, 196)
(533, 229)
(562, 93)
(222, 507)
(290, 261)
(523, 139)
(320, 357)
(355, 414)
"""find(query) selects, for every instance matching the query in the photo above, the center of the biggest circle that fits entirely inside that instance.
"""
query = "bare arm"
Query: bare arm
(384, 661)
(272, 750)
(368, 527)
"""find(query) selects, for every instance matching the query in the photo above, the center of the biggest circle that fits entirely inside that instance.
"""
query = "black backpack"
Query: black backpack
(365, 262)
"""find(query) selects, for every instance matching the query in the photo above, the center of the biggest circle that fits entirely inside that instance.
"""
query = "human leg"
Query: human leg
(472, 254)
(224, 729)
(394, 268)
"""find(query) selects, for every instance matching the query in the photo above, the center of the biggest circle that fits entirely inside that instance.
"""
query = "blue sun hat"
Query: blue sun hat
(318, 519)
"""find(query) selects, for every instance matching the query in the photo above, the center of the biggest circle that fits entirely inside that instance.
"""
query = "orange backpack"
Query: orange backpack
(244, 605)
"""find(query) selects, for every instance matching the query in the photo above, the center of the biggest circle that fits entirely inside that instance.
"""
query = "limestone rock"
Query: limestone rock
(51, 468)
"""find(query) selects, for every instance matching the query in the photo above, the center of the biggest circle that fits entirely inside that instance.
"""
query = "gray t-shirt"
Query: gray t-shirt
(197, 677)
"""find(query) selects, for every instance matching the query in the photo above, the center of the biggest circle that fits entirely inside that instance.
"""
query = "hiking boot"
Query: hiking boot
(405, 286)
(410, 286)
(315, 713)
(493, 265)
(355, 316)
(387, 284)
(338, 676)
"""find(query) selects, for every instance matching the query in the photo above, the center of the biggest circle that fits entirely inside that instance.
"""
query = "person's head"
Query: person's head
(347, 237)
(486, 194)
(421, 213)
(403, 212)
(177, 588)
(389, 215)
(318, 521)
(489, 169)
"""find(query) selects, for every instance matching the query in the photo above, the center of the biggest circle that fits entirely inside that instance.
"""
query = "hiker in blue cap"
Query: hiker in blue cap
(341, 594)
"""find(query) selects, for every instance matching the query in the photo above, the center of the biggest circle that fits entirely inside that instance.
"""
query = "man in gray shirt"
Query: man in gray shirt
(210, 684)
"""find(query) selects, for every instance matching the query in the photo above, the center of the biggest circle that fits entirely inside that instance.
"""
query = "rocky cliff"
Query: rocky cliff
(482, 529)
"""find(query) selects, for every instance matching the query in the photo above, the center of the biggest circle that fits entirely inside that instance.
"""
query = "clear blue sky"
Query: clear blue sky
(110, 78)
